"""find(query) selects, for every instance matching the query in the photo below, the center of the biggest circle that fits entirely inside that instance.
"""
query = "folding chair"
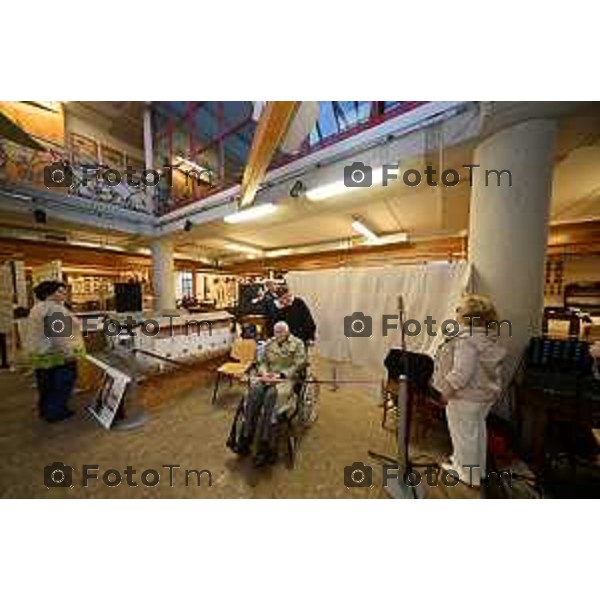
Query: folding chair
(243, 352)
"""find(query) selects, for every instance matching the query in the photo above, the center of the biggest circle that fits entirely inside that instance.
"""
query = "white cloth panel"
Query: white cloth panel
(431, 289)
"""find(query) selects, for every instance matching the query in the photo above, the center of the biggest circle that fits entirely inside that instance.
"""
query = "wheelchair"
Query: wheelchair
(291, 416)
(299, 412)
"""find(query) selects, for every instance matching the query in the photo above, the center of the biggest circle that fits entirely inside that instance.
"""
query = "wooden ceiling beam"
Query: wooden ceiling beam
(270, 132)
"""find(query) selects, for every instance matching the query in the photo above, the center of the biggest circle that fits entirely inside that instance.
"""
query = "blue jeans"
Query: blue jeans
(55, 387)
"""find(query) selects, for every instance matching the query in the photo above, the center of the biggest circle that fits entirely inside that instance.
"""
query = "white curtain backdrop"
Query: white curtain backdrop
(431, 289)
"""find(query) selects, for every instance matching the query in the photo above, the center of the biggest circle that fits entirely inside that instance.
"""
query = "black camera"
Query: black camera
(58, 175)
(358, 175)
(358, 475)
(358, 325)
(58, 325)
(58, 475)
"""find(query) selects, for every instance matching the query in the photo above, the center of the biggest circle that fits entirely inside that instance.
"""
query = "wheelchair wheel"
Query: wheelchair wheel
(309, 402)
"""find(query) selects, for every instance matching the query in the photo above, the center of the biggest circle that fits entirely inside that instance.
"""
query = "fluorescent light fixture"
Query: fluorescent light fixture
(194, 165)
(18, 196)
(243, 248)
(249, 214)
(365, 231)
(99, 245)
(394, 238)
(338, 188)
(278, 252)
(200, 171)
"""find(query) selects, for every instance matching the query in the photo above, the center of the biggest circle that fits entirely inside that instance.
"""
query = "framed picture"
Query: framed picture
(84, 150)
(112, 157)
(137, 165)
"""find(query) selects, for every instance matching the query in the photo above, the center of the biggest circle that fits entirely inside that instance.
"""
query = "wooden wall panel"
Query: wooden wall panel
(579, 239)
(571, 239)
(37, 253)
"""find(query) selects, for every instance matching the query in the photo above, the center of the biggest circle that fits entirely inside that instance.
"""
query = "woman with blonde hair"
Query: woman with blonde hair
(468, 376)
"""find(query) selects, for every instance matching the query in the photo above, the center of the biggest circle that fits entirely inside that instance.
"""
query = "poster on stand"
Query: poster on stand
(114, 386)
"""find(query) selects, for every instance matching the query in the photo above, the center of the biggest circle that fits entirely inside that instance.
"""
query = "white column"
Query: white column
(163, 266)
(148, 148)
(508, 227)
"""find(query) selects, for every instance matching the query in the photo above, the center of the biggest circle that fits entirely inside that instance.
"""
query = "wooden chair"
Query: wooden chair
(243, 353)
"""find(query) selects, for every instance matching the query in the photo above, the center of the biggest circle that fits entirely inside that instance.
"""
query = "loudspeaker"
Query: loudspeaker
(128, 297)
(39, 215)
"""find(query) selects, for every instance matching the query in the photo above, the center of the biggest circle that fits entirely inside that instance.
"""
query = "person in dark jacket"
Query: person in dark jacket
(267, 300)
(294, 311)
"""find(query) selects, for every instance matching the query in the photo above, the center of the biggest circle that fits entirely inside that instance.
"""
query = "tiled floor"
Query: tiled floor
(185, 429)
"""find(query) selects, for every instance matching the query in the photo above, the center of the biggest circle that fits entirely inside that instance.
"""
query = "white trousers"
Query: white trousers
(466, 422)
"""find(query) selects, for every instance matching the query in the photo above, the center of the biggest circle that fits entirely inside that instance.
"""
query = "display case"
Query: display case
(583, 296)
(177, 339)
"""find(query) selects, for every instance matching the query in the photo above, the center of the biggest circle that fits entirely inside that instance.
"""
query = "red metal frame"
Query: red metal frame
(220, 143)
(170, 128)
(372, 121)
(189, 117)
(376, 117)
(223, 134)
(160, 132)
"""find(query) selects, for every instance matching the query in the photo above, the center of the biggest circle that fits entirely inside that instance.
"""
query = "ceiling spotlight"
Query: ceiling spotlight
(297, 189)
(188, 225)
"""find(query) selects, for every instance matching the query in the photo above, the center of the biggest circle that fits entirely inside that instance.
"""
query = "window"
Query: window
(339, 116)
(185, 284)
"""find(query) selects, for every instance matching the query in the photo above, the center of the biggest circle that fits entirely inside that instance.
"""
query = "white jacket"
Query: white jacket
(468, 366)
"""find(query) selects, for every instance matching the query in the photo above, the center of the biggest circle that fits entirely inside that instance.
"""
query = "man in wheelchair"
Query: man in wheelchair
(279, 372)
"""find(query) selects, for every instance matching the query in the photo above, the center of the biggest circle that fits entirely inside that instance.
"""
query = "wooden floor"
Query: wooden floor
(185, 429)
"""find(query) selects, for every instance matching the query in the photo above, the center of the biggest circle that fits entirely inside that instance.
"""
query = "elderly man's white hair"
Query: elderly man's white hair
(281, 325)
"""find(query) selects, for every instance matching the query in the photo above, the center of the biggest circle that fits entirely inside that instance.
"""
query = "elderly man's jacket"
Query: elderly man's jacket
(285, 359)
